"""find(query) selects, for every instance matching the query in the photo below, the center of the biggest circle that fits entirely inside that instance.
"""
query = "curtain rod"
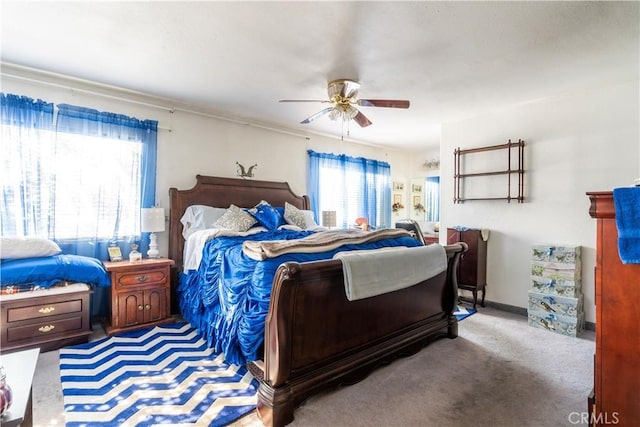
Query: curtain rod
(75, 89)
(152, 105)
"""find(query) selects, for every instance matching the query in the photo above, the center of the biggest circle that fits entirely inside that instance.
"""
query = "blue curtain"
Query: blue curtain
(30, 121)
(93, 123)
(432, 198)
(46, 166)
(352, 186)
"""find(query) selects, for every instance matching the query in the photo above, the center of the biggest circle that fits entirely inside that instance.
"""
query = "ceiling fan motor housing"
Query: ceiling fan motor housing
(342, 91)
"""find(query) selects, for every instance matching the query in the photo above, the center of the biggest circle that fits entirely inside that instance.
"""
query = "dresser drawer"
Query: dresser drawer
(151, 277)
(48, 319)
(44, 329)
(42, 310)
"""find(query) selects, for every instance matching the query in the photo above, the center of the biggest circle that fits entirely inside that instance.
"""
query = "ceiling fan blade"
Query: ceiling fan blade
(387, 103)
(316, 115)
(361, 119)
(304, 100)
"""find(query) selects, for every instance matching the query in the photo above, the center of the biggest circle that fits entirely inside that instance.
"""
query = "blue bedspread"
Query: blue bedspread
(47, 271)
(227, 298)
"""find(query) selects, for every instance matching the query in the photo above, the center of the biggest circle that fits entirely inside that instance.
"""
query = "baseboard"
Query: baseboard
(589, 326)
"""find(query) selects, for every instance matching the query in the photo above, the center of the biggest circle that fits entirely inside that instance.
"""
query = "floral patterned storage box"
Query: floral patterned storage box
(565, 325)
(566, 306)
(563, 254)
(562, 287)
(556, 270)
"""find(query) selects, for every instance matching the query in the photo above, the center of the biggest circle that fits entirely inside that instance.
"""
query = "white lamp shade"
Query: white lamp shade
(329, 219)
(152, 220)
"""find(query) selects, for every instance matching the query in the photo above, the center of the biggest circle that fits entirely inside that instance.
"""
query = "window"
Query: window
(79, 176)
(354, 187)
(432, 198)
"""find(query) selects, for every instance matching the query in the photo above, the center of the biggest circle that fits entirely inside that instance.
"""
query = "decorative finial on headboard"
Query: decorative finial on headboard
(246, 173)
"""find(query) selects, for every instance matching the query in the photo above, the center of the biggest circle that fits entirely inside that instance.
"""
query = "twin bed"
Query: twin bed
(285, 312)
(45, 295)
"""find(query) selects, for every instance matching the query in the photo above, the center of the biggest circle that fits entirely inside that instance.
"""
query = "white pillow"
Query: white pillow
(310, 219)
(199, 217)
(27, 247)
(235, 219)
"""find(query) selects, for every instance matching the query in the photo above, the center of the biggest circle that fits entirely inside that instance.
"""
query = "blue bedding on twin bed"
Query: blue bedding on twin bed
(227, 298)
(49, 270)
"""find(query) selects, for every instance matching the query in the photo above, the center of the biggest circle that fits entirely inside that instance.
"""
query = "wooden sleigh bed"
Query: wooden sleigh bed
(315, 338)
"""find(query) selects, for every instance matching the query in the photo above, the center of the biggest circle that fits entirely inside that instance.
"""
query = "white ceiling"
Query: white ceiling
(452, 60)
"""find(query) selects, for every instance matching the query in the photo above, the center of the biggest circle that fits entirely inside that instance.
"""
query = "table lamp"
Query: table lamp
(152, 221)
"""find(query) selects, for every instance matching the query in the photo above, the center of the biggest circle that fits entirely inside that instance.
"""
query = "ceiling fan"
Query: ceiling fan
(343, 95)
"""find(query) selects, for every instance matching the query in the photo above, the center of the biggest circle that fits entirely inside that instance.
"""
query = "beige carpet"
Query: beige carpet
(498, 372)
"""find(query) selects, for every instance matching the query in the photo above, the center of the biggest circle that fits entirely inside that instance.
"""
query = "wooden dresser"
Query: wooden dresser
(615, 398)
(472, 268)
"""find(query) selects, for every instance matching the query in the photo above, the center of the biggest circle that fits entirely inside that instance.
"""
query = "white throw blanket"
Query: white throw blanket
(318, 242)
(375, 272)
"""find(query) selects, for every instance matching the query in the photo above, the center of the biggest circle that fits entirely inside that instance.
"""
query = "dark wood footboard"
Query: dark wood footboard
(316, 339)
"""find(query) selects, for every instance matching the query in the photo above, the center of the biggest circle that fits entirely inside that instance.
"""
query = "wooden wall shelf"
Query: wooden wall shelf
(514, 150)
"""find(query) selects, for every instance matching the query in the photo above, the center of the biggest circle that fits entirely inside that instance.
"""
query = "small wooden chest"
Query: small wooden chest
(49, 319)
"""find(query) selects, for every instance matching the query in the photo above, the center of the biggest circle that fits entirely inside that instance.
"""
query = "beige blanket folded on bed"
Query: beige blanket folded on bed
(318, 242)
(370, 273)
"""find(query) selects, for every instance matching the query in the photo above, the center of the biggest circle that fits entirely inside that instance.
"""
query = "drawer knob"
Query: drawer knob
(147, 307)
(140, 308)
(47, 310)
(142, 278)
(47, 328)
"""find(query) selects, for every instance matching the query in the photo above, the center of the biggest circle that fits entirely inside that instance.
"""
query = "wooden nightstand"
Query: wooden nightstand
(140, 294)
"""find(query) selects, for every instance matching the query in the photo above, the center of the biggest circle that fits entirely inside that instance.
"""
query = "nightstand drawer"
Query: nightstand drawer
(151, 277)
(42, 329)
(43, 310)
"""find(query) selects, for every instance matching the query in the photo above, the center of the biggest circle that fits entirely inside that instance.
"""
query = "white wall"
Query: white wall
(587, 141)
(575, 143)
(190, 144)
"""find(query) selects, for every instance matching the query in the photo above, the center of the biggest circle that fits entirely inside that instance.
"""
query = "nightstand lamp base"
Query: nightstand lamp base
(152, 221)
(153, 251)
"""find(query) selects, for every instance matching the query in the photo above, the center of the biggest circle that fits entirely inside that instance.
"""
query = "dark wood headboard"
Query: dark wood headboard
(221, 192)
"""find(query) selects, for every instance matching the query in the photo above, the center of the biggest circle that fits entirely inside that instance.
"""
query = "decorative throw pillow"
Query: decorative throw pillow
(267, 215)
(235, 219)
(27, 247)
(294, 215)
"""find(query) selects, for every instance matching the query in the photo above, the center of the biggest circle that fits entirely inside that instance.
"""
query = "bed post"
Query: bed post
(279, 411)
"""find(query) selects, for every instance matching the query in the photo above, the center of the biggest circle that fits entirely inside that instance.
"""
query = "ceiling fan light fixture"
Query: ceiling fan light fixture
(335, 114)
(349, 112)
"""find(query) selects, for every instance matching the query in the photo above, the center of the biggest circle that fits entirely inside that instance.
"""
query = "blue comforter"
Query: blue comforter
(227, 298)
(47, 271)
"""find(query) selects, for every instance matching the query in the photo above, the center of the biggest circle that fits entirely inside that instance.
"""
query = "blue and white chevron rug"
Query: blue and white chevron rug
(463, 312)
(162, 375)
